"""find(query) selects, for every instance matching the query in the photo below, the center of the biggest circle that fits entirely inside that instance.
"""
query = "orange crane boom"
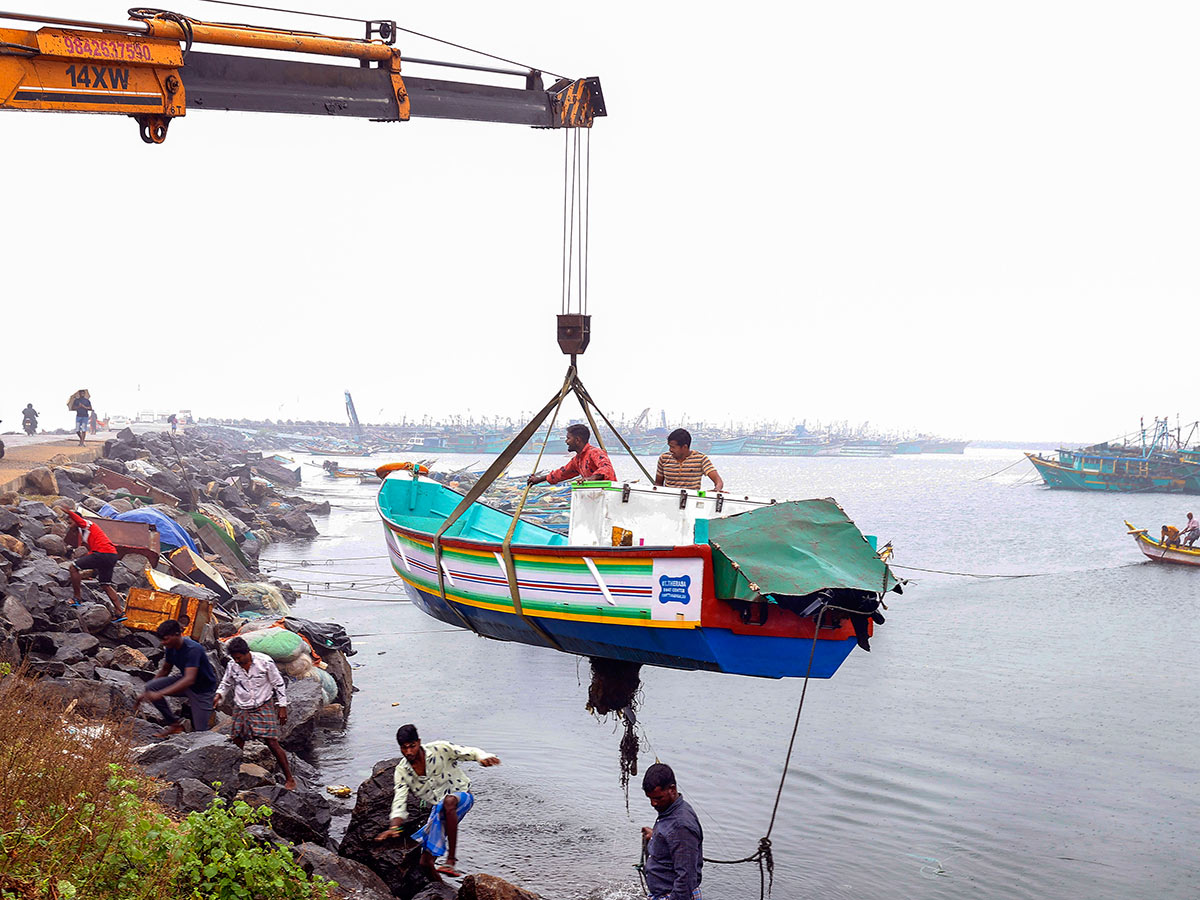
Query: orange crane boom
(146, 68)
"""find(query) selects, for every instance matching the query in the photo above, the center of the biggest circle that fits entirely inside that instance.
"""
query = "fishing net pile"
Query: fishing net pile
(614, 689)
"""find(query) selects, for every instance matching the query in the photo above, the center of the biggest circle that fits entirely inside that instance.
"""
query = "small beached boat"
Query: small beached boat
(1160, 552)
(657, 576)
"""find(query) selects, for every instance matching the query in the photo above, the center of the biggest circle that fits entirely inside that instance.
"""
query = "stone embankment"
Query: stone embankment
(99, 665)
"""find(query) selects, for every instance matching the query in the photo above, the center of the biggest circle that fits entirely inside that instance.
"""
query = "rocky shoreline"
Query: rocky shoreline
(97, 666)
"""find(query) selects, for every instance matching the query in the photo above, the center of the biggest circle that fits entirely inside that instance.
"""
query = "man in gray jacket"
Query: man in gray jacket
(675, 845)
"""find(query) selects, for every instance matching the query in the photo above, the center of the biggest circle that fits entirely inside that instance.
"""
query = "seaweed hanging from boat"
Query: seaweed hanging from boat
(614, 689)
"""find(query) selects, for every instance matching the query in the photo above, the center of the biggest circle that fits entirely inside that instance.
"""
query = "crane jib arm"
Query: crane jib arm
(151, 78)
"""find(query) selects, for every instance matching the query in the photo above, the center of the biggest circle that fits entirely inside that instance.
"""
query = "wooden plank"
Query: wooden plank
(214, 543)
(114, 480)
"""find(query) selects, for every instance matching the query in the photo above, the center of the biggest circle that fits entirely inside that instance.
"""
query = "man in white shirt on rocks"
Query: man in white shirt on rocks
(431, 773)
(254, 678)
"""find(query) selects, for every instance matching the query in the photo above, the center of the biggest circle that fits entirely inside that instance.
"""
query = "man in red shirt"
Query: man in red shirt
(590, 463)
(100, 560)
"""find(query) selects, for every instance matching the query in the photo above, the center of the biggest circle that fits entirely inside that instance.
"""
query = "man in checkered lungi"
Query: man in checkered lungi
(254, 678)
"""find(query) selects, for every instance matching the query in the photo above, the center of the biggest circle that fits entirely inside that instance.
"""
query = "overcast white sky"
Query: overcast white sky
(973, 219)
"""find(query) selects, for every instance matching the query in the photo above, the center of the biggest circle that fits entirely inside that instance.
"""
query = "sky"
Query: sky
(976, 220)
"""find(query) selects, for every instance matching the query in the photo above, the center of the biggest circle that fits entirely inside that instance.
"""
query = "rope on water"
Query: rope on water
(1013, 574)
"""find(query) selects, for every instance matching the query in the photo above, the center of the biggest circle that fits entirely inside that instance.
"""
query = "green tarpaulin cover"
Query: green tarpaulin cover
(793, 549)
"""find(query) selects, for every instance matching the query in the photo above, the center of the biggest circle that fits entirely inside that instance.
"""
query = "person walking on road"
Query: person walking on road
(80, 403)
(430, 772)
(675, 845)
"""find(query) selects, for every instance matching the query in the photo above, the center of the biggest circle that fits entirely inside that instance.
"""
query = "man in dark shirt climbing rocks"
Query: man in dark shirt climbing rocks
(675, 845)
(196, 680)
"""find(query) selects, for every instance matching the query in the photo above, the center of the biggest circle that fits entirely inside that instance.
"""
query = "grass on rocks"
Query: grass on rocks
(77, 821)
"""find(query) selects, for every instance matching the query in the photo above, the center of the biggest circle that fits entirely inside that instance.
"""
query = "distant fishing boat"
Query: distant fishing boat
(1102, 467)
(1160, 552)
(702, 580)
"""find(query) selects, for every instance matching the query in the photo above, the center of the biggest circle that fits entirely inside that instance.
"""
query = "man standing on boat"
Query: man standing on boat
(590, 463)
(430, 773)
(683, 467)
(1190, 532)
(675, 845)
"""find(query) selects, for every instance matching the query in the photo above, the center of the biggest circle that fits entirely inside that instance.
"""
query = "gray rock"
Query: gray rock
(204, 755)
(69, 490)
(299, 522)
(41, 572)
(85, 668)
(10, 522)
(42, 665)
(338, 666)
(130, 685)
(95, 504)
(189, 795)
(80, 474)
(14, 615)
(36, 509)
(96, 698)
(395, 860)
(52, 544)
(297, 815)
(251, 776)
(126, 659)
(69, 655)
(354, 880)
(94, 617)
(305, 700)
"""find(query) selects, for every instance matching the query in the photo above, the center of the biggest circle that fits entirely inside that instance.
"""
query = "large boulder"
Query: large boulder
(489, 887)
(305, 700)
(189, 795)
(36, 509)
(42, 572)
(338, 666)
(99, 699)
(439, 890)
(53, 544)
(297, 815)
(10, 522)
(204, 755)
(298, 522)
(94, 617)
(395, 860)
(41, 481)
(15, 616)
(351, 879)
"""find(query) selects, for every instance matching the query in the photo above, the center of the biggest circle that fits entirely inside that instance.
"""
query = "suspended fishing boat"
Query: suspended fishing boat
(645, 575)
(1161, 552)
(709, 582)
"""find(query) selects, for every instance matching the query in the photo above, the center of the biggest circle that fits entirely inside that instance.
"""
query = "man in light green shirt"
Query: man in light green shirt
(430, 773)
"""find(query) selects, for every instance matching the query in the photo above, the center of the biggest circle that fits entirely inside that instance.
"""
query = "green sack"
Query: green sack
(281, 645)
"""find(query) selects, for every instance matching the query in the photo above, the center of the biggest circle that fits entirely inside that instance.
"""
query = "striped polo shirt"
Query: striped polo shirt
(686, 474)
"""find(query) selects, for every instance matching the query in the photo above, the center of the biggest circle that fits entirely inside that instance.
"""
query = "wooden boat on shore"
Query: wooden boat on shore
(1157, 551)
(702, 580)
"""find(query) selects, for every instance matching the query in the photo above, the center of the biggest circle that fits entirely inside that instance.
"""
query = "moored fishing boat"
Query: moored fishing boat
(1104, 467)
(1161, 552)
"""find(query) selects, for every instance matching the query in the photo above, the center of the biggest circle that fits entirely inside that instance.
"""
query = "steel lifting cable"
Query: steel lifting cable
(428, 37)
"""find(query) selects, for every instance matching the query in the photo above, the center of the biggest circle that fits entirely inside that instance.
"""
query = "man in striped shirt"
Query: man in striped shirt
(683, 467)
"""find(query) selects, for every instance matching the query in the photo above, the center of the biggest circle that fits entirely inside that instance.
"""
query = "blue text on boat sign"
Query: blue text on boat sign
(674, 589)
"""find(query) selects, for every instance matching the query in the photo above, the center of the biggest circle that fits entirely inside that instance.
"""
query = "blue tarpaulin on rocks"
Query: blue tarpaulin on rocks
(169, 533)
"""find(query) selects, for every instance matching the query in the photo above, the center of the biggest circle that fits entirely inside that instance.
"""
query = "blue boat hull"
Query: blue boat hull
(705, 649)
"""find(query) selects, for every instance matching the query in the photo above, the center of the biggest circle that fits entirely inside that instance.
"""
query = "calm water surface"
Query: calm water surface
(1006, 738)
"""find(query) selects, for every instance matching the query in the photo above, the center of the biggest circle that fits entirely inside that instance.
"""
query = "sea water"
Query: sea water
(1005, 738)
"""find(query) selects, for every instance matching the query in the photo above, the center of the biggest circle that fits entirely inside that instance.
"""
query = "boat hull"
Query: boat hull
(600, 606)
(1158, 552)
(1058, 476)
(693, 649)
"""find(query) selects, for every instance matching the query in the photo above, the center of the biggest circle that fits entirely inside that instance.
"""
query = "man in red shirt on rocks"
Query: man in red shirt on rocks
(590, 463)
(100, 560)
